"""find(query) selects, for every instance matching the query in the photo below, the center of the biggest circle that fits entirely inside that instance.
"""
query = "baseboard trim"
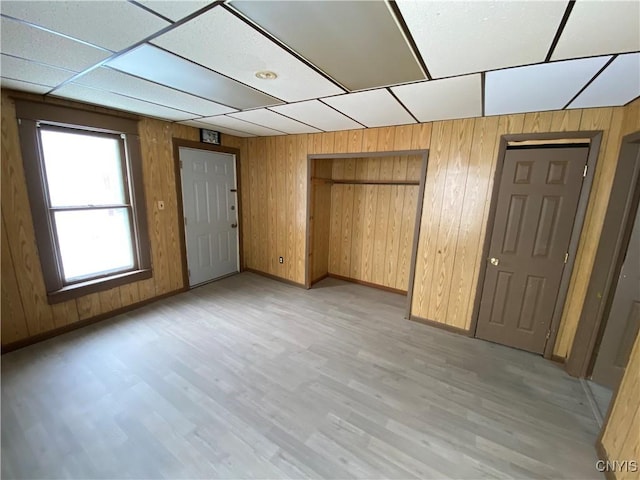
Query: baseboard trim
(368, 284)
(558, 359)
(275, 277)
(442, 326)
(319, 279)
(41, 337)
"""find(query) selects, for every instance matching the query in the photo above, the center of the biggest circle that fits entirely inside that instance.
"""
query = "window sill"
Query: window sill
(97, 285)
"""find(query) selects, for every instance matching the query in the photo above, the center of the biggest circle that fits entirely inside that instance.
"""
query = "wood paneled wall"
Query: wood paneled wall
(25, 310)
(372, 226)
(320, 219)
(621, 435)
(462, 159)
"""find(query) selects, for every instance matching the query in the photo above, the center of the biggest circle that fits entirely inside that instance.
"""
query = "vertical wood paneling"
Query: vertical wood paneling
(621, 434)
(25, 310)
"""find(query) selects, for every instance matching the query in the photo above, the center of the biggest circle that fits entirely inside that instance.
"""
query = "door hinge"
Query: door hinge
(548, 334)
(180, 163)
(584, 173)
(189, 274)
(185, 222)
(566, 257)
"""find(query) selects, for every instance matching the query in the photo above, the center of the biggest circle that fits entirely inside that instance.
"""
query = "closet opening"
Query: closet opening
(364, 214)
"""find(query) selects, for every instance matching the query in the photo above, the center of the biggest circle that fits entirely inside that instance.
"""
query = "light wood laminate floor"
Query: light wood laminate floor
(252, 378)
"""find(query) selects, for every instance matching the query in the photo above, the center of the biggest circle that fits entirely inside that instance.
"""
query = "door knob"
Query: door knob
(494, 261)
(234, 225)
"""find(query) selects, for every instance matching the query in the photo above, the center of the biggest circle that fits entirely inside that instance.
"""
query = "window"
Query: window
(84, 179)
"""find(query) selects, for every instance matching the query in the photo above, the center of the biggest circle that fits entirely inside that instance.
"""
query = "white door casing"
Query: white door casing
(210, 213)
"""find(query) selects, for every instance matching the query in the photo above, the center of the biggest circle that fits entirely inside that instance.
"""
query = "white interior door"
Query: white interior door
(210, 213)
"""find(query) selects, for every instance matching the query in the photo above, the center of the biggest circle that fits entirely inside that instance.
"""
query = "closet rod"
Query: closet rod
(368, 182)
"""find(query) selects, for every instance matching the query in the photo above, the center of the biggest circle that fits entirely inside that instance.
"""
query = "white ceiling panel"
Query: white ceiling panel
(373, 108)
(20, 69)
(24, 86)
(270, 119)
(224, 43)
(457, 97)
(108, 24)
(599, 28)
(23, 41)
(174, 10)
(114, 81)
(617, 85)
(165, 68)
(321, 116)
(461, 37)
(108, 99)
(240, 125)
(229, 131)
(538, 87)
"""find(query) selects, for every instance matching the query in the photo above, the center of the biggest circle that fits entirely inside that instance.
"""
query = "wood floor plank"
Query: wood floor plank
(248, 377)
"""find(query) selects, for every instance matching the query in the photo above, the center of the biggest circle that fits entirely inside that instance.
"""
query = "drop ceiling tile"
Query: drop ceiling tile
(270, 119)
(117, 82)
(162, 67)
(373, 108)
(229, 131)
(25, 70)
(599, 28)
(455, 38)
(174, 10)
(536, 88)
(31, 43)
(24, 86)
(224, 43)
(456, 97)
(240, 125)
(360, 44)
(81, 93)
(321, 116)
(108, 24)
(617, 85)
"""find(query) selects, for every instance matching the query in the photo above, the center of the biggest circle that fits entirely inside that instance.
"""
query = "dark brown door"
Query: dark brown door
(537, 201)
(624, 317)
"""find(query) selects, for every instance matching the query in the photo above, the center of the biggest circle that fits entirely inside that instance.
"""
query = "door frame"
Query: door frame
(416, 229)
(616, 231)
(180, 142)
(594, 139)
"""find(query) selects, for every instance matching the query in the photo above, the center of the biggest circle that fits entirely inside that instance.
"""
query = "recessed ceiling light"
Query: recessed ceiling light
(266, 75)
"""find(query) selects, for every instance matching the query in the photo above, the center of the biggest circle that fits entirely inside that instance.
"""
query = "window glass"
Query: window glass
(94, 242)
(82, 169)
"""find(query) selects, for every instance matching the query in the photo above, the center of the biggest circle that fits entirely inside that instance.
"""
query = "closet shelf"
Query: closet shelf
(366, 182)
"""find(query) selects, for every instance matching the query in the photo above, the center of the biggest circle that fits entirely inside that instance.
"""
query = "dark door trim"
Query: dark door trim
(594, 138)
(612, 245)
(177, 143)
(416, 232)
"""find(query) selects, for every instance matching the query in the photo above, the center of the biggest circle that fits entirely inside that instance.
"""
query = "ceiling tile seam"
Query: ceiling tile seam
(262, 125)
(150, 10)
(53, 32)
(342, 113)
(563, 23)
(25, 81)
(252, 123)
(43, 64)
(283, 46)
(133, 98)
(483, 82)
(222, 75)
(295, 119)
(404, 29)
(169, 87)
(182, 122)
(133, 46)
(402, 104)
(604, 67)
